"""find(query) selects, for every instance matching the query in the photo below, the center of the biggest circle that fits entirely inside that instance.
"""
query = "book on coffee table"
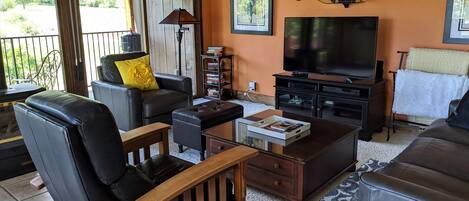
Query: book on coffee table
(258, 140)
(279, 127)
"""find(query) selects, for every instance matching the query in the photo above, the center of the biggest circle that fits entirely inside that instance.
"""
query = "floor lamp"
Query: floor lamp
(180, 17)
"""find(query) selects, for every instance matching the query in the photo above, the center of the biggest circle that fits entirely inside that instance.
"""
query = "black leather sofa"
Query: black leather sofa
(434, 167)
(133, 108)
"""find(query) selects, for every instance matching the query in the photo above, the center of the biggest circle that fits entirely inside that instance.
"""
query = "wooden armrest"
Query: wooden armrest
(145, 136)
(199, 173)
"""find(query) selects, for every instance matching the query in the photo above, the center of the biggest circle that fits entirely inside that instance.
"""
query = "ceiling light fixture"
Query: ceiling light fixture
(345, 2)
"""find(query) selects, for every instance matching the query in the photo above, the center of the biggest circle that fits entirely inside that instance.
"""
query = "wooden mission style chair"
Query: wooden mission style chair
(78, 151)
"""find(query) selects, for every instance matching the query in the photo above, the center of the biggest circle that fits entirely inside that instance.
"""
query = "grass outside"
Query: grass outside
(42, 20)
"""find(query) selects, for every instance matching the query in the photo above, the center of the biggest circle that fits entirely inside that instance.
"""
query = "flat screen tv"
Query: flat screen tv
(331, 45)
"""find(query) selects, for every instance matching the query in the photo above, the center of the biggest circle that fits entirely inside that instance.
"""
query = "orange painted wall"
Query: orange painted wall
(403, 24)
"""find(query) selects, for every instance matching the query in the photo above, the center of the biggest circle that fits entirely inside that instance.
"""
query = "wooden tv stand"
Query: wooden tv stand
(361, 103)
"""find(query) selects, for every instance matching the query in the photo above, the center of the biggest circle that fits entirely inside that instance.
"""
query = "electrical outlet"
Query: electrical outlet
(252, 86)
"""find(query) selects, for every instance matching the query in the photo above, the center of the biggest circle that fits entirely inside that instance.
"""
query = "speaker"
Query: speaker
(379, 70)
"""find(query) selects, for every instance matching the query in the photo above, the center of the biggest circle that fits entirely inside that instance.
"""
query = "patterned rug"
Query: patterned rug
(347, 190)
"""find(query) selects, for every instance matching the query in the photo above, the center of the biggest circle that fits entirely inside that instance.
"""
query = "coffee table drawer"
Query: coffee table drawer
(272, 164)
(215, 146)
(263, 161)
(269, 181)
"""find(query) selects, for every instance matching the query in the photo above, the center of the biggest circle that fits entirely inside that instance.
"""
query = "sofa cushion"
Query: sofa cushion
(427, 178)
(439, 155)
(109, 70)
(162, 101)
(460, 117)
(132, 185)
(441, 130)
(162, 167)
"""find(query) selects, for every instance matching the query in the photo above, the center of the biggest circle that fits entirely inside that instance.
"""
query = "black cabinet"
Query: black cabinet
(297, 102)
(344, 110)
(361, 104)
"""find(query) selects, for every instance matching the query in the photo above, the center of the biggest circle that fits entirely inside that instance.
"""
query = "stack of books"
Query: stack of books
(281, 128)
(216, 51)
(213, 92)
(213, 66)
(214, 79)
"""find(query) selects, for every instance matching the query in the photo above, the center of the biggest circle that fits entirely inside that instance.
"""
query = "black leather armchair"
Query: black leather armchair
(132, 107)
(80, 155)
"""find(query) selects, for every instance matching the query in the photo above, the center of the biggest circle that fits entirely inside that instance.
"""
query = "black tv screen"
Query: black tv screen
(331, 45)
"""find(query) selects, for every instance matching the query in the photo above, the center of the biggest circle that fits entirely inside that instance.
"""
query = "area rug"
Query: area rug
(347, 190)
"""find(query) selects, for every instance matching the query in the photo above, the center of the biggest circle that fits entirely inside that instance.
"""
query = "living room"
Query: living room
(235, 100)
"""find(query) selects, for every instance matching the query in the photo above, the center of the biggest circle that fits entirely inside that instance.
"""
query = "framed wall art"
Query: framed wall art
(251, 17)
(457, 22)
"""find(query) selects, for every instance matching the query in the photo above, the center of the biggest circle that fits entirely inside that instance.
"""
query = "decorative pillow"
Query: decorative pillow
(460, 117)
(109, 71)
(137, 73)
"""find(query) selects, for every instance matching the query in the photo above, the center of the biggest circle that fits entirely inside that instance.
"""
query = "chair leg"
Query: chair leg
(180, 148)
(389, 134)
(202, 155)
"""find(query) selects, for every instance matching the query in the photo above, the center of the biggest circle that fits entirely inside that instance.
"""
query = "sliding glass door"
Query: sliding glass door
(58, 43)
(30, 44)
(108, 27)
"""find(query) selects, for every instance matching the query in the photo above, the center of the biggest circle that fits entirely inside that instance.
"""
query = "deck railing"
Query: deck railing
(23, 56)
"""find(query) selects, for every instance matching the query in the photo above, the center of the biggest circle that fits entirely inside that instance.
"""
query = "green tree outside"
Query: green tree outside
(251, 9)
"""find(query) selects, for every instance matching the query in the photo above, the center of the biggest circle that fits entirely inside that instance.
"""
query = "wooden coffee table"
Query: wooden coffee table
(296, 171)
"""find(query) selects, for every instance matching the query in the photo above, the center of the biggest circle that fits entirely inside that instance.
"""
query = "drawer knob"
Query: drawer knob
(276, 166)
(221, 148)
(277, 183)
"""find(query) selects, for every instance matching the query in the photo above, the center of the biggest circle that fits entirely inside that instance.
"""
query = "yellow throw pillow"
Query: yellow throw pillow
(137, 73)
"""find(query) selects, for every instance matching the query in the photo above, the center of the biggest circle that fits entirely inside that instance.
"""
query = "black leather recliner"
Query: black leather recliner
(78, 151)
(132, 107)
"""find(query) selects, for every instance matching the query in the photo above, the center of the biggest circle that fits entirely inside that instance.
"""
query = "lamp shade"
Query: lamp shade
(179, 16)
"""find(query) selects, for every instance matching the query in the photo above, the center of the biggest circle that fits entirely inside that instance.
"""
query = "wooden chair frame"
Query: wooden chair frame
(208, 171)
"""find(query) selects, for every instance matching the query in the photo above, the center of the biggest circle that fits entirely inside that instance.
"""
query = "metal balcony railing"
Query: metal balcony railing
(23, 56)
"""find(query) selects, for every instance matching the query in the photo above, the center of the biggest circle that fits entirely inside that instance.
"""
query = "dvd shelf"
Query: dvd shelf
(218, 76)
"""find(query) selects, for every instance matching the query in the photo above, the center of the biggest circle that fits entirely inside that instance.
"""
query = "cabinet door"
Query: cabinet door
(342, 110)
(298, 103)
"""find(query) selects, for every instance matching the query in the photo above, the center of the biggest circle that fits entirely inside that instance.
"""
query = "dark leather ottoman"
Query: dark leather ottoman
(188, 124)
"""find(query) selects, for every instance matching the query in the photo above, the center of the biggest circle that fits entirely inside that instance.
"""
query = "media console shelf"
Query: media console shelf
(361, 103)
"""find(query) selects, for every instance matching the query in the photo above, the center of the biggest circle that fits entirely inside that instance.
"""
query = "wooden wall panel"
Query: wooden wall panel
(163, 43)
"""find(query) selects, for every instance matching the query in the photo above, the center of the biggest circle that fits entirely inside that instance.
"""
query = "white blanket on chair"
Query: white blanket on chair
(427, 94)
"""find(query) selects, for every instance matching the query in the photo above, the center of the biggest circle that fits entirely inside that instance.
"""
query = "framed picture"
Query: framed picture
(251, 17)
(457, 22)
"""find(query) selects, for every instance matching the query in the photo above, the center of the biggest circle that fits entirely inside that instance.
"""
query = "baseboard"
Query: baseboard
(254, 97)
